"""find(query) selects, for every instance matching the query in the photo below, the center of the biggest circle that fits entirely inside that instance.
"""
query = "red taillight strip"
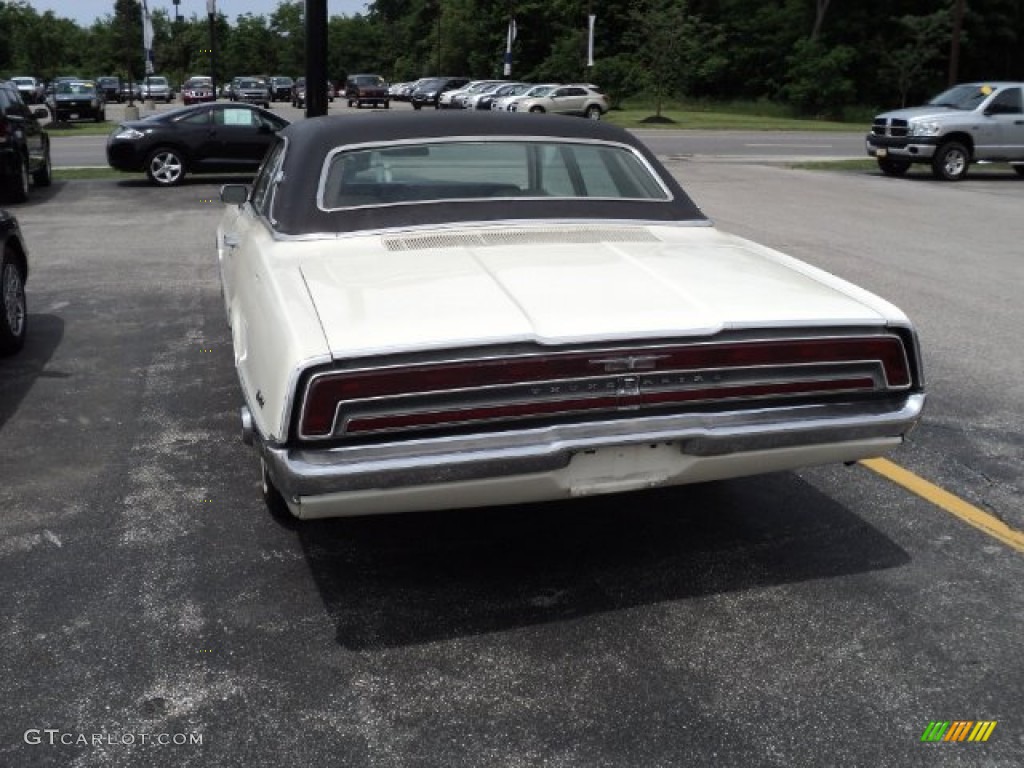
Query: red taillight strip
(327, 390)
(456, 416)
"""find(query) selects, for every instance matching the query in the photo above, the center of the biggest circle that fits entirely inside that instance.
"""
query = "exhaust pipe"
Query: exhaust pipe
(247, 426)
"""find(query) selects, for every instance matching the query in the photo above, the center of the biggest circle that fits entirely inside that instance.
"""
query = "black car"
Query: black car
(281, 88)
(13, 274)
(205, 138)
(79, 100)
(130, 91)
(299, 93)
(110, 88)
(427, 93)
(24, 145)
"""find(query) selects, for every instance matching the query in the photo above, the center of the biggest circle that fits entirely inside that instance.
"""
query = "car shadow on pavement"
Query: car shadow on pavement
(20, 372)
(410, 579)
(197, 180)
(922, 174)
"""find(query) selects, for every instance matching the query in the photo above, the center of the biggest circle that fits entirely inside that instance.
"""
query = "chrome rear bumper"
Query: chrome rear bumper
(311, 472)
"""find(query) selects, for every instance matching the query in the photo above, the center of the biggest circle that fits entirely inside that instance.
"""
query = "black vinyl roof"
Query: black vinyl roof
(309, 141)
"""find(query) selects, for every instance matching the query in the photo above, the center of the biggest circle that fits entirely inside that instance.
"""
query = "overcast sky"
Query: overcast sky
(85, 12)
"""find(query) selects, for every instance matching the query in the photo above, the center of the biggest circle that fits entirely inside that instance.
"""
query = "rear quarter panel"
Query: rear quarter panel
(274, 327)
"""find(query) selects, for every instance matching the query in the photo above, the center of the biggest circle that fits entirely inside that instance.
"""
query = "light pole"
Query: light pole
(954, 47)
(211, 10)
(438, 38)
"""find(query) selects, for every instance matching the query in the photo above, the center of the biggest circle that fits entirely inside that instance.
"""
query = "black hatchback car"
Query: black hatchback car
(24, 145)
(205, 138)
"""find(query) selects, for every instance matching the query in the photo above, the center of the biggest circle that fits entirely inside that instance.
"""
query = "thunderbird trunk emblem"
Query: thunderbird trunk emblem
(630, 363)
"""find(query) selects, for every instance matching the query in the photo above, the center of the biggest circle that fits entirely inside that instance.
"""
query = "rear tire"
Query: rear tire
(13, 307)
(893, 166)
(43, 177)
(274, 501)
(593, 113)
(951, 161)
(537, 110)
(18, 191)
(1019, 169)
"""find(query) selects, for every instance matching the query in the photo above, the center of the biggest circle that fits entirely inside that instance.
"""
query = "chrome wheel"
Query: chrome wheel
(951, 162)
(165, 167)
(15, 310)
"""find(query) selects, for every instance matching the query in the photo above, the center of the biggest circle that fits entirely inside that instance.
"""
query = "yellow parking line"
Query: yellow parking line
(969, 513)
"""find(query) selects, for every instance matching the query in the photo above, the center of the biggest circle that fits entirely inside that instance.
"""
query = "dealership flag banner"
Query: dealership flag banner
(147, 37)
(508, 46)
(590, 39)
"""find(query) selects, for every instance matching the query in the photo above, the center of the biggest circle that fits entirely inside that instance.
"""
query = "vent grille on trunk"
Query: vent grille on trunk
(522, 236)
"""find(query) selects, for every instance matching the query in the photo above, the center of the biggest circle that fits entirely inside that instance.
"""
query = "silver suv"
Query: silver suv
(157, 88)
(969, 123)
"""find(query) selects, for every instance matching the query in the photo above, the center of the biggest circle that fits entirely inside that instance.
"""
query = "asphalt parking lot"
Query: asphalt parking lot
(156, 615)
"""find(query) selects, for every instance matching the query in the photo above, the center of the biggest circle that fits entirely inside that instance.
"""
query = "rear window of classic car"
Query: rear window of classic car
(441, 171)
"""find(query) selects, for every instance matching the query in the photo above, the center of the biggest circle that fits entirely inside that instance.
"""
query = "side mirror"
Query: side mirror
(234, 194)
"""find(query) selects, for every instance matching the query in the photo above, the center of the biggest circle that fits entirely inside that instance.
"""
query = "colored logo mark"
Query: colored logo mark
(958, 730)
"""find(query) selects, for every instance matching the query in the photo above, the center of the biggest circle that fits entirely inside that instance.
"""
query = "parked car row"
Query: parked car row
(583, 99)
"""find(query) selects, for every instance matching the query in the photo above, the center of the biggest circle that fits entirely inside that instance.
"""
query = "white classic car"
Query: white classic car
(447, 310)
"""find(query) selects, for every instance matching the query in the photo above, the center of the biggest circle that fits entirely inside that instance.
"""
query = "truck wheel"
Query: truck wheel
(951, 161)
(893, 166)
(1019, 169)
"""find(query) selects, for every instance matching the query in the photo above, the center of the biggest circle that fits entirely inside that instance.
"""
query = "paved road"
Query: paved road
(70, 150)
(822, 617)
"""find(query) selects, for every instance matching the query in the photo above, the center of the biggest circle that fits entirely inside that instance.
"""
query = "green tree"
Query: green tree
(287, 26)
(675, 48)
(912, 65)
(818, 82)
(250, 48)
(126, 39)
